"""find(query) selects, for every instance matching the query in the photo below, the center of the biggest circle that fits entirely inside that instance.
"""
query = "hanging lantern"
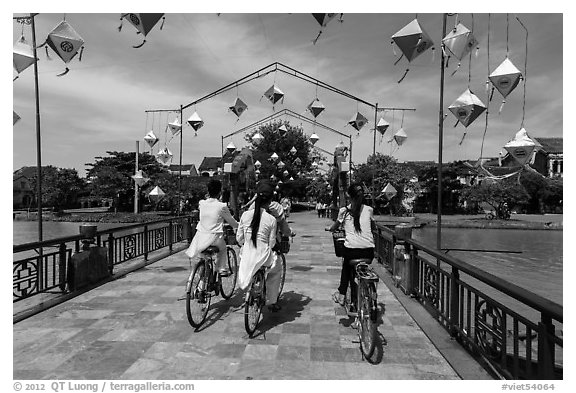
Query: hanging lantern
(164, 156)
(316, 107)
(140, 178)
(151, 139)
(257, 171)
(506, 77)
(156, 195)
(195, 121)
(23, 55)
(279, 182)
(257, 138)
(314, 138)
(285, 173)
(281, 164)
(358, 121)
(175, 126)
(15, 118)
(297, 161)
(467, 108)
(282, 130)
(274, 94)
(460, 41)
(64, 40)
(293, 150)
(412, 40)
(257, 164)
(522, 147)
(382, 126)
(272, 177)
(291, 178)
(239, 107)
(231, 147)
(315, 165)
(142, 22)
(400, 136)
(389, 191)
(274, 157)
(323, 20)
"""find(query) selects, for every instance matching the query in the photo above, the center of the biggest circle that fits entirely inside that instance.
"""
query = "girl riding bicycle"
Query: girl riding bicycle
(257, 236)
(356, 219)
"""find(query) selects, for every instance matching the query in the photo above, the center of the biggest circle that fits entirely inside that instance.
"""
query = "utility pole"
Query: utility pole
(136, 188)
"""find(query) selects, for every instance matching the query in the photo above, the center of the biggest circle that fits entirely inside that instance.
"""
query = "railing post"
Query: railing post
(545, 348)
(454, 301)
(145, 242)
(111, 253)
(62, 267)
(401, 264)
(170, 234)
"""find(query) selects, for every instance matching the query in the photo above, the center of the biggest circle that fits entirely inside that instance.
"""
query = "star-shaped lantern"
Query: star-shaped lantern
(257, 138)
(175, 126)
(412, 40)
(400, 136)
(23, 55)
(460, 41)
(231, 147)
(358, 121)
(382, 126)
(151, 139)
(239, 107)
(156, 195)
(467, 108)
(15, 118)
(195, 121)
(64, 40)
(522, 147)
(142, 22)
(389, 191)
(314, 138)
(164, 156)
(140, 178)
(316, 107)
(282, 130)
(274, 94)
(506, 77)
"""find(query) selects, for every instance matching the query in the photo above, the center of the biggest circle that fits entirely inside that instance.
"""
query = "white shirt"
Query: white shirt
(363, 239)
(213, 213)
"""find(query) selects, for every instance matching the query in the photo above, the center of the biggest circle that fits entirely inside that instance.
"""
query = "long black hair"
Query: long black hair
(261, 200)
(356, 193)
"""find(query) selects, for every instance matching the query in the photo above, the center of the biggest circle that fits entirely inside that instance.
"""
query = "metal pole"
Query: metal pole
(180, 169)
(135, 183)
(374, 159)
(38, 137)
(440, 136)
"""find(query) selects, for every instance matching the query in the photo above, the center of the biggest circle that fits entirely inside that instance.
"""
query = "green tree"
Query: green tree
(499, 194)
(60, 187)
(544, 194)
(451, 186)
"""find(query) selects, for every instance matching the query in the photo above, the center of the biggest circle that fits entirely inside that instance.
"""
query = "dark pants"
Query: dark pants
(347, 274)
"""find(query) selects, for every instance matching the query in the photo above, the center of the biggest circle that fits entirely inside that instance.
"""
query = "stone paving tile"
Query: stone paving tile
(136, 328)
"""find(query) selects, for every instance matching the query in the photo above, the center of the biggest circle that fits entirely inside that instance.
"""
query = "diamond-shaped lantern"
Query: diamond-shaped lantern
(291, 178)
(15, 118)
(274, 157)
(314, 165)
(412, 40)
(358, 121)
(151, 139)
(231, 147)
(389, 191)
(316, 107)
(323, 19)
(274, 94)
(257, 164)
(257, 138)
(140, 178)
(285, 173)
(293, 150)
(506, 77)
(175, 126)
(23, 55)
(156, 195)
(142, 22)
(164, 156)
(460, 41)
(467, 108)
(400, 136)
(522, 147)
(239, 107)
(64, 40)
(314, 138)
(382, 126)
(195, 121)
(297, 161)
(282, 130)
(281, 164)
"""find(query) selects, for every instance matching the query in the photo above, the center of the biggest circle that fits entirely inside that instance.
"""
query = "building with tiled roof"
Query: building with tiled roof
(186, 169)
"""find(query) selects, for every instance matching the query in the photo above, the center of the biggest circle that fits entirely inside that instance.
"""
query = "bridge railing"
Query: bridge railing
(41, 267)
(517, 333)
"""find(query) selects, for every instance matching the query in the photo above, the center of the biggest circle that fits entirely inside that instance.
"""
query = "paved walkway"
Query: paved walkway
(136, 328)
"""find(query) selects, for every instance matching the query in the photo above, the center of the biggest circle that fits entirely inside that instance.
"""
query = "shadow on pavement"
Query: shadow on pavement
(292, 306)
(222, 308)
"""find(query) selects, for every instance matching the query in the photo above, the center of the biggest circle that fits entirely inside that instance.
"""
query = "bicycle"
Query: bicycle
(367, 305)
(256, 294)
(205, 282)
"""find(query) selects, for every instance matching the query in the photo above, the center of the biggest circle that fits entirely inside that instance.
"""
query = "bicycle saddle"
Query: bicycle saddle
(365, 272)
(355, 262)
(211, 250)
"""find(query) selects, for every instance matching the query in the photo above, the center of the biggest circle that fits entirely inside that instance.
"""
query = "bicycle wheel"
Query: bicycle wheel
(367, 318)
(283, 278)
(197, 297)
(255, 299)
(228, 284)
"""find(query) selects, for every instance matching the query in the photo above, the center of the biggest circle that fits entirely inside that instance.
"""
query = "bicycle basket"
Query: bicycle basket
(229, 236)
(338, 237)
(285, 245)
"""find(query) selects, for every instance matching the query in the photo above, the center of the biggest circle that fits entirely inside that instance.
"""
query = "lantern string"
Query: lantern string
(404, 76)
(525, 72)
(400, 58)
(507, 33)
(470, 58)
(488, 96)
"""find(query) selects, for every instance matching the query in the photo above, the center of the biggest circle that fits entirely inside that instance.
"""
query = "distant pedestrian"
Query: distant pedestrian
(318, 208)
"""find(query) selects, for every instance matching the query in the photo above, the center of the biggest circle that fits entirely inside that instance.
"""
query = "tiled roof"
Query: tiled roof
(551, 145)
(210, 164)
